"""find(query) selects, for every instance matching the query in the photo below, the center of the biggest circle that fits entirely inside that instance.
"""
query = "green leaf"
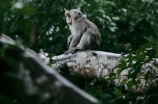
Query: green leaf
(114, 100)
(127, 46)
(130, 102)
(92, 82)
(145, 100)
(133, 75)
(123, 82)
(105, 95)
(129, 84)
(99, 87)
(112, 75)
(117, 91)
(148, 75)
(139, 58)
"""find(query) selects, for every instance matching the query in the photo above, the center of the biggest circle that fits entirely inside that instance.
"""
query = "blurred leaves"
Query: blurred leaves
(134, 62)
(132, 22)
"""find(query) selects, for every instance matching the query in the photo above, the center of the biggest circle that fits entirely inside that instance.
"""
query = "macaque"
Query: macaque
(85, 34)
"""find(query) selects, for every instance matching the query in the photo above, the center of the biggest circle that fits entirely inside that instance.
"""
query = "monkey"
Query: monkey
(85, 34)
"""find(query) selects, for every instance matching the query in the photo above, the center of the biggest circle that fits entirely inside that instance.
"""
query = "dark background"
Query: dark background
(41, 24)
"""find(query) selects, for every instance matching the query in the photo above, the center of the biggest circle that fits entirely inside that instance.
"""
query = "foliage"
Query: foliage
(135, 61)
(40, 24)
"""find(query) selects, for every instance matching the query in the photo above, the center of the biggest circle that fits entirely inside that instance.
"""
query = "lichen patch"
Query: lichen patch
(105, 72)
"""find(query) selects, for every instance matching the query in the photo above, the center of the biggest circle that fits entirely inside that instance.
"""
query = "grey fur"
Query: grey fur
(85, 34)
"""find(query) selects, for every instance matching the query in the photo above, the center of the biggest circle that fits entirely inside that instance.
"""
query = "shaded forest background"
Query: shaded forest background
(40, 24)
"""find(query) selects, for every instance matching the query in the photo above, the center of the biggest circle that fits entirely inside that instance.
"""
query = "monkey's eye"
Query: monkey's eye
(80, 14)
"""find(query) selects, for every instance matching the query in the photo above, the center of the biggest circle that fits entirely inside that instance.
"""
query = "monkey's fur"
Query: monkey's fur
(85, 34)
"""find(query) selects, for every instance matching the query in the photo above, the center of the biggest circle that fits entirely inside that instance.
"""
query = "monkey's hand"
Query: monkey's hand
(69, 40)
(72, 50)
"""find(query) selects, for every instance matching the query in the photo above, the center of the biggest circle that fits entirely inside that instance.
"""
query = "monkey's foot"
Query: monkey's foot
(72, 50)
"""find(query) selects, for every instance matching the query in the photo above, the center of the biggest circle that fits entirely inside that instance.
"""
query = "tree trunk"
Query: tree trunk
(99, 64)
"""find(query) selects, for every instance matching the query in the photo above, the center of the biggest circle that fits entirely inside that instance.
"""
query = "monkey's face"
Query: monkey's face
(72, 15)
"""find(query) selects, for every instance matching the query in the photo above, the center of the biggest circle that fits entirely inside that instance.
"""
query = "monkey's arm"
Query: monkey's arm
(76, 39)
(69, 39)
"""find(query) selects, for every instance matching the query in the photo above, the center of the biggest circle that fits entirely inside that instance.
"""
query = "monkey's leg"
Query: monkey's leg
(75, 40)
(88, 41)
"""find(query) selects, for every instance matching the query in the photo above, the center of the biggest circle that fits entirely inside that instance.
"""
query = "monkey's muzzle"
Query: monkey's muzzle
(69, 19)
